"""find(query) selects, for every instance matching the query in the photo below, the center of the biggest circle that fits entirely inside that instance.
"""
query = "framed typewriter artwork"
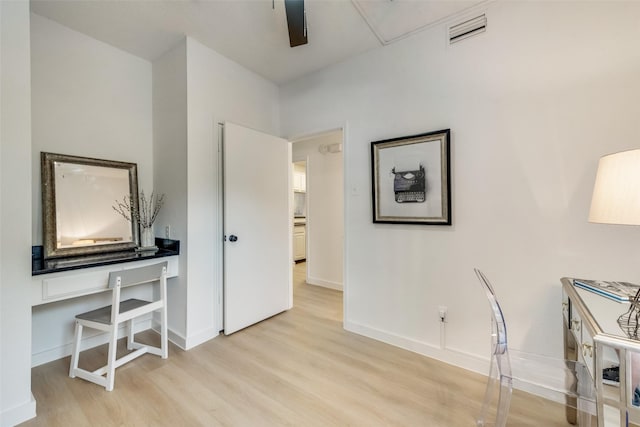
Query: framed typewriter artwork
(410, 179)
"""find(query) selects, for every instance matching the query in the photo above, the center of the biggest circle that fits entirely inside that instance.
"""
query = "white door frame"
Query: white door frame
(219, 245)
(346, 203)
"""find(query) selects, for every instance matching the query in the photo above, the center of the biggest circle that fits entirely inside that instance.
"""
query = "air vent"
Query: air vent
(468, 28)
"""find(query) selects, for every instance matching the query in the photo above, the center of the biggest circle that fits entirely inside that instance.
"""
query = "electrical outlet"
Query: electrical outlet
(167, 232)
(442, 312)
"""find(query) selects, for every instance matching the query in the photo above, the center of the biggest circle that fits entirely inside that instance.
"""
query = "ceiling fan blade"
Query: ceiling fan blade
(296, 22)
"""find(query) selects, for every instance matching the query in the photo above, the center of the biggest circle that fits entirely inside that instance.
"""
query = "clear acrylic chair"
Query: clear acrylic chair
(556, 379)
(500, 370)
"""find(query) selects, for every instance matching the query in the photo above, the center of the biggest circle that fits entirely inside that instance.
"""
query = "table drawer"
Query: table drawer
(588, 351)
(575, 325)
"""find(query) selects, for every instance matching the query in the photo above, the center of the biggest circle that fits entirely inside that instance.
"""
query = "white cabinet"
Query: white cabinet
(299, 242)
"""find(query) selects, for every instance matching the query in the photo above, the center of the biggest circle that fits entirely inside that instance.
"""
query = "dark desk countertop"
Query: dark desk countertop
(39, 265)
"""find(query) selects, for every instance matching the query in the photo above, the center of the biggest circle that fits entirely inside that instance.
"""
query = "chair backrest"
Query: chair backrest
(137, 276)
(498, 318)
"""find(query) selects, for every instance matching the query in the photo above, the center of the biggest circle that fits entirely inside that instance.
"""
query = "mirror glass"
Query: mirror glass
(78, 198)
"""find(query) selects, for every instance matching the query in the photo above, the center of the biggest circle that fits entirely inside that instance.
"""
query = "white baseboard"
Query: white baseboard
(200, 338)
(461, 359)
(472, 362)
(18, 414)
(174, 337)
(99, 338)
(324, 283)
(187, 343)
(89, 341)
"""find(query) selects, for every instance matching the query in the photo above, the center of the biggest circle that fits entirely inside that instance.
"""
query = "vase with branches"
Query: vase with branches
(144, 214)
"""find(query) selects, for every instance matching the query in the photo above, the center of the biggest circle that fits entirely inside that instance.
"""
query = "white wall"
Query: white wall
(217, 89)
(532, 104)
(16, 402)
(88, 99)
(170, 172)
(325, 209)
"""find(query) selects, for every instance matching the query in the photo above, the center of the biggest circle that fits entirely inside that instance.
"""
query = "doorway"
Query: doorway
(320, 158)
(299, 212)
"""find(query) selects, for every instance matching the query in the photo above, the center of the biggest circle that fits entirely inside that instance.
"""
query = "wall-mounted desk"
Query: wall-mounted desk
(64, 278)
(592, 335)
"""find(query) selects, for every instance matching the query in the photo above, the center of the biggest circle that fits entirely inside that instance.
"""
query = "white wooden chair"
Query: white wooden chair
(108, 319)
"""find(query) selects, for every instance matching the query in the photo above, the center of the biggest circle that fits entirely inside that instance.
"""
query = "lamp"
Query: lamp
(616, 193)
(616, 200)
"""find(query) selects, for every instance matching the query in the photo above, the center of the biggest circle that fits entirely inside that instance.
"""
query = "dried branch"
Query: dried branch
(124, 208)
(146, 212)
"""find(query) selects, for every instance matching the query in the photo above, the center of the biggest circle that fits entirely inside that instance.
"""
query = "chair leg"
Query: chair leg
(75, 351)
(504, 400)
(586, 395)
(130, 334)
(163, 332)
(486, 403)
(111, 361)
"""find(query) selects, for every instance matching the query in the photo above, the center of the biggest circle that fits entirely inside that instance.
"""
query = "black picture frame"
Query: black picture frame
(411, 179)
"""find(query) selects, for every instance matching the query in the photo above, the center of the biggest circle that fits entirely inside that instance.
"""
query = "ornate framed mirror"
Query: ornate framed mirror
(78, 194)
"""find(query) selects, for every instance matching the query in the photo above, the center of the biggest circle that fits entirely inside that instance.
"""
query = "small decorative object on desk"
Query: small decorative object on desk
(617, 291)
(145, 215)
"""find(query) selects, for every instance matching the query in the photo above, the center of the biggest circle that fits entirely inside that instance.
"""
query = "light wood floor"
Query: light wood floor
(299, 368)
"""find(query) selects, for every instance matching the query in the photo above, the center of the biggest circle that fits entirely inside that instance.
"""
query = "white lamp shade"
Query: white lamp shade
(616, 193)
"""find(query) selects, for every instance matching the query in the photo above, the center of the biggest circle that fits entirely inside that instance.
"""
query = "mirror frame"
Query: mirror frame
(49, 220)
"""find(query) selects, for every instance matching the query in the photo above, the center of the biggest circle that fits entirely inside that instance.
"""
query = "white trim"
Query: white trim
(199, 338)
(308, 225)
(314, 134)
(324, 283)
(18, 414)
(219, 244)
(462, 359)
(290, 220)
(346, 202)
(457, 358)
(59, 352)
(174, 337)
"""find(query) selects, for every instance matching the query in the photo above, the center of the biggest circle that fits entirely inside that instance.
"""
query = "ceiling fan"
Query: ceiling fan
(296, 22)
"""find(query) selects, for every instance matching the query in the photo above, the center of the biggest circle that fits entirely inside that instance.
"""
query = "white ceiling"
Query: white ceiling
(252, 33)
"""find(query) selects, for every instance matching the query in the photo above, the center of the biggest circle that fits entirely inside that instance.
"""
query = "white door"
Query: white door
(257, 227)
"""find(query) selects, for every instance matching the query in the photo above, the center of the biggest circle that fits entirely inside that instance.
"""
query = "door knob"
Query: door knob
(233, 238)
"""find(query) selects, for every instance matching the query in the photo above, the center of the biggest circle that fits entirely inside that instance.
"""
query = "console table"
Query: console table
(592, 336)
